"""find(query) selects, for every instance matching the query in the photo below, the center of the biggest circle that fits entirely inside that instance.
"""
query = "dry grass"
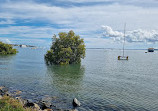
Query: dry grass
(11, 104)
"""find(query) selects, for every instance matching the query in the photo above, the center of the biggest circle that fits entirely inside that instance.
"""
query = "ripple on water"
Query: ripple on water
(100, 82)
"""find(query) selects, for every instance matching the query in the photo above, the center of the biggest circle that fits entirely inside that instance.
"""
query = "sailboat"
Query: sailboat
(123, 57)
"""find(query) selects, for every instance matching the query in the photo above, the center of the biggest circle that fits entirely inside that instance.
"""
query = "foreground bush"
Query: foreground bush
(7, 49)
(67, 49)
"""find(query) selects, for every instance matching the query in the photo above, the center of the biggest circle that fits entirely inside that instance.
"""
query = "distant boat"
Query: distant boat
(123, 57)
(23, 46)
(150, 49)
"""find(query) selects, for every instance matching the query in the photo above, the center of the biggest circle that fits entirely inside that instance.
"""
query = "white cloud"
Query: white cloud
(84, 20)
(88, 17)
(132, 36)
(110, 33)
(8, 21)
(28, 31)
(5, 40)
(121, 1)
(140, 3)
(83, 1)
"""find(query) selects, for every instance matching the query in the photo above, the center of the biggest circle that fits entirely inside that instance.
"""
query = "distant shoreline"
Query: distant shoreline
(19, 45)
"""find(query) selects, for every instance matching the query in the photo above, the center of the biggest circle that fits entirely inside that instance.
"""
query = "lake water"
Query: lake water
(100, 82)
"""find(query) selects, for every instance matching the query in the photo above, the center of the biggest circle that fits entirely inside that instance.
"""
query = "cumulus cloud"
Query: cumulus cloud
(138, 35)
(110, 32)
(83, 19)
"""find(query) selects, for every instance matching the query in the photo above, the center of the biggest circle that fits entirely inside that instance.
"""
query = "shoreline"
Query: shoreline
(27, 104)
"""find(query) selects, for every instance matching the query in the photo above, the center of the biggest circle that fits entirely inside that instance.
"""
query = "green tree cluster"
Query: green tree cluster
(68, 48)
(6, 49)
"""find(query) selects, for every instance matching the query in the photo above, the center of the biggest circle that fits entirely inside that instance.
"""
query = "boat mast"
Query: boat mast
(124, 38)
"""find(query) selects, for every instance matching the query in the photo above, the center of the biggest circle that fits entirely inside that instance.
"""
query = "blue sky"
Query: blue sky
(34, 22)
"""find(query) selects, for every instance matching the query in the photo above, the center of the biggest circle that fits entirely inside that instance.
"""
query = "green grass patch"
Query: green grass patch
(11, 104)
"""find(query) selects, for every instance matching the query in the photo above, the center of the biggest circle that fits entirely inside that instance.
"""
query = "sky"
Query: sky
(99, 22)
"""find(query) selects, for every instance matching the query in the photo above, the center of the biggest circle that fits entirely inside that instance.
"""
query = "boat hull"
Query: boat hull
(122, 57)
(150, 49)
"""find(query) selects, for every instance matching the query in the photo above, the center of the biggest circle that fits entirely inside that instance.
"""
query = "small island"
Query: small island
(7, 49)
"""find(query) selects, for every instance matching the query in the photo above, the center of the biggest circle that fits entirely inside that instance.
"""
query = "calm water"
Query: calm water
(100, 82)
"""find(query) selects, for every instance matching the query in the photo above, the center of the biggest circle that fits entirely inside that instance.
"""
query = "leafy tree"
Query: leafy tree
(68, 48)
(6, 49)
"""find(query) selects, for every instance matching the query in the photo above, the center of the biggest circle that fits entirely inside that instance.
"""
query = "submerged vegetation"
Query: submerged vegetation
(6, 49)
(68, 48)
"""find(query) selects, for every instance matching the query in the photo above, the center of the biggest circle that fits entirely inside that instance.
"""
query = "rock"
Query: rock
(1, 87)
(15, 93)
(46, 98)
(8, 94)
(73, 110)
(45, 103)
(29, 103)
(42, 105)
(36, 106)
(68, 110)
(76, 103)
(22, 101)
(18, 92)
(48, 110)
(3, 90)
(60, 110)
(18, 98)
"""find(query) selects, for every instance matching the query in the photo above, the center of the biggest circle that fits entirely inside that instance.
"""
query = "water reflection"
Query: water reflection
(67, 78)
(5, 59)
(5, 64)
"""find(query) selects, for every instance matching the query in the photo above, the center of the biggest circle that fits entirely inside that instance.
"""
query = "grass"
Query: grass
(11, 104)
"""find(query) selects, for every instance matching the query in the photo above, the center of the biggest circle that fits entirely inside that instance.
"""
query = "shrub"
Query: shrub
(68, 48)
(7, 49)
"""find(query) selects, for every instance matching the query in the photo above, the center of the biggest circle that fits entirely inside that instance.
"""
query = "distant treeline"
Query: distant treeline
(7, 49)
(21, 45)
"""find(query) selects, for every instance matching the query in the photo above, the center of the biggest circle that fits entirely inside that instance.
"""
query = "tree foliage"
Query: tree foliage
(68, 48)
(6, 49)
